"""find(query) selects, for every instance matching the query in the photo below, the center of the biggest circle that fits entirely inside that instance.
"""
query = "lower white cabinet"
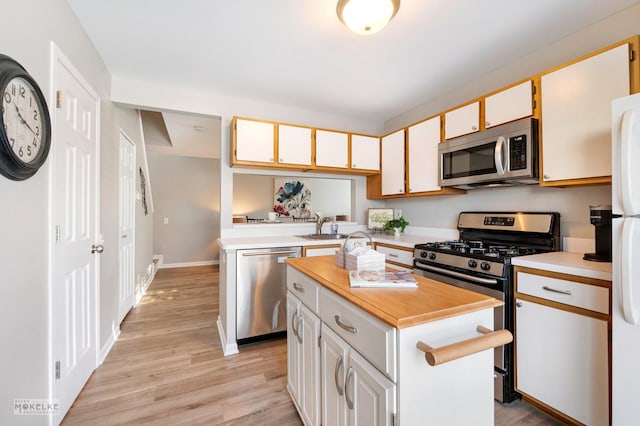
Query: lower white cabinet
(303, 360)
(354, 392)
(562, 353)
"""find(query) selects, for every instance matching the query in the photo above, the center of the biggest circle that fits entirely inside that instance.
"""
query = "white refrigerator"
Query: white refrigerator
(625, 233)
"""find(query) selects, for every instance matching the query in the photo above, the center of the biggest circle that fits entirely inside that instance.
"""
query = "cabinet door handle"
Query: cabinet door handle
(300, 323)
(392, 255)
(294, 322)
(344, 326)
(567, 292)
(489, 340)
(298, 287)
(474, 127)
(519, 304)
(346, 388)
(335, 375)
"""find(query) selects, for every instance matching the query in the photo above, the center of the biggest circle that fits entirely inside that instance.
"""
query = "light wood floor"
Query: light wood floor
(167, 367)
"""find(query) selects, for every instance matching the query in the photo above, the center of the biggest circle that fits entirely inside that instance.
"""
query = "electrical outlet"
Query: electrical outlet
(166, 220)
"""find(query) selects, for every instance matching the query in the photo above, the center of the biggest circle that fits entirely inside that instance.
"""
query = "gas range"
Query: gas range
(489, 240)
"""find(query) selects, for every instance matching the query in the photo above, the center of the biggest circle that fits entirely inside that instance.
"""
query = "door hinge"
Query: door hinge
(319, 337)
(632, 55)
(57, 234)
(59, 99)
(393, 419)
(57, 370)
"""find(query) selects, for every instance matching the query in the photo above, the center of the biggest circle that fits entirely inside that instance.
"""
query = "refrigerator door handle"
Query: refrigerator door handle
(626, 167)
(629, 311)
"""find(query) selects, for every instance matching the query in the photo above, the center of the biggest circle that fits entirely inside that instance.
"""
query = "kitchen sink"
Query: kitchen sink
(324, 236)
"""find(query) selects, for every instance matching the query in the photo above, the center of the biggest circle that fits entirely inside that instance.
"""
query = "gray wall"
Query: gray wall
(572, 203)
(186, 190)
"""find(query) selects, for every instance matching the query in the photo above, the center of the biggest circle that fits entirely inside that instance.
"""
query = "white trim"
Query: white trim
(227, 348)
(188, 264)
(143, 289)
(113, 337)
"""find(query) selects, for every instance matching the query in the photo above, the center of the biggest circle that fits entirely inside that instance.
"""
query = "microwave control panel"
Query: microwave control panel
(518, 152)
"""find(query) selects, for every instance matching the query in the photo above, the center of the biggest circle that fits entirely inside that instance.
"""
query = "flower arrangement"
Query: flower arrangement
(393, 224)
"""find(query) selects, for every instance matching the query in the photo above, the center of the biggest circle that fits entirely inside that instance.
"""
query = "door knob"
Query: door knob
(97, 248)
(124, 235)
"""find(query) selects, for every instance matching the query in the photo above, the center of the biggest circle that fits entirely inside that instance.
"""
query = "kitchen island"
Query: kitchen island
(381, 356)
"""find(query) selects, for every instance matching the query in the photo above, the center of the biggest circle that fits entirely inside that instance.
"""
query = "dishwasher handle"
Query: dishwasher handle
(270, 253)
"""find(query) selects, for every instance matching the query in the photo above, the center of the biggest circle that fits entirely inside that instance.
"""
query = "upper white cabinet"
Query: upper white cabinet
(509, 104)
(294, 145)
(365, 152)
(461, 121)
(576, 115)
(422, 140)
(393, 163)
(332, 149)
(254, 141)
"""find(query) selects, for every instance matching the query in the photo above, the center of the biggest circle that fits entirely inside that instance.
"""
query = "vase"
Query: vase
(397, 232)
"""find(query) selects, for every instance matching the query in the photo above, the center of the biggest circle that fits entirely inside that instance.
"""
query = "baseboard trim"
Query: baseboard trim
(113, 337)
(227, 348)
(187, 264)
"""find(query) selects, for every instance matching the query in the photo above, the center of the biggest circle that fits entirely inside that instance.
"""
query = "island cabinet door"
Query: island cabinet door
(372, 395)
(293, 348)
(309, 402)
(458, 392)
(335, 357)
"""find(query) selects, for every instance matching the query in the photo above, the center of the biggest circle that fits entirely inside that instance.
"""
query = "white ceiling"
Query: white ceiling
(297, 52)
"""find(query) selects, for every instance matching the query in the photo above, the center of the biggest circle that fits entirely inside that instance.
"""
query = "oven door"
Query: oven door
(487, 286)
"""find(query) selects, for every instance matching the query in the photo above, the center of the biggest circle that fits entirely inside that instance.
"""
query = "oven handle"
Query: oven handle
(455, 274)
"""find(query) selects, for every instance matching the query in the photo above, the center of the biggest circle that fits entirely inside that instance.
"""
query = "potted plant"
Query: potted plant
(396, 225)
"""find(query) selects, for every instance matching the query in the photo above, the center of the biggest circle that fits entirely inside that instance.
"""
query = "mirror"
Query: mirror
(300, 197)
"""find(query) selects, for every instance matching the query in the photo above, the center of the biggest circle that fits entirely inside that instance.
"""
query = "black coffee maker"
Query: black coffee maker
(600, 216)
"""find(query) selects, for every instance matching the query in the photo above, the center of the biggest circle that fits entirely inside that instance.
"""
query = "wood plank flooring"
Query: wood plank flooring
(167, 367)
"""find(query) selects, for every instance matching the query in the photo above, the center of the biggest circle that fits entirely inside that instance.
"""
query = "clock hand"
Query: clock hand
(23, 120)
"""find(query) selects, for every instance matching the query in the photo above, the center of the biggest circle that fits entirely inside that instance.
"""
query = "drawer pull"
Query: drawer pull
(345, 326)
(392, 255)
(335, 375)
(298, 287)
(346, 388)
(490, 339)
(567, 292)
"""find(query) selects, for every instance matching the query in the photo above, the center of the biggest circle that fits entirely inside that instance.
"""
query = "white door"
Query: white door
(293, 347)
(75, 221)
(126, 247)
(309, 330)
(334, 359)
(393, 163)
(423, 139)
(332, 149)
(373, 396)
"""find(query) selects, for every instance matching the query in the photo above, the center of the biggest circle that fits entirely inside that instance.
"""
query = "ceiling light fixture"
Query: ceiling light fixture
(366, 16)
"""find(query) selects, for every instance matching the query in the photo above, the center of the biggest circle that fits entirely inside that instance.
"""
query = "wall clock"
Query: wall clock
(25, 131)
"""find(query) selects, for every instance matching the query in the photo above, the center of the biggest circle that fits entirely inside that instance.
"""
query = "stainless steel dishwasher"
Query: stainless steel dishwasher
(261, 292)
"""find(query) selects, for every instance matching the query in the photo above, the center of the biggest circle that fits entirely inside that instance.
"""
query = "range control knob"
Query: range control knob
(472, 263)
(423, 254)
(432, 256)
(485, 266)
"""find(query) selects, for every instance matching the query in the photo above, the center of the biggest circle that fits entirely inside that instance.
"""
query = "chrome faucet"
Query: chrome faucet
(319, 222)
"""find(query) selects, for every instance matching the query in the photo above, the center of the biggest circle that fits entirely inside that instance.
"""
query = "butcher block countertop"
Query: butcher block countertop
(398, 307)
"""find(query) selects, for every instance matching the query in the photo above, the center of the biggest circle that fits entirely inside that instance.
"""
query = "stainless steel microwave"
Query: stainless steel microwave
(499, 156)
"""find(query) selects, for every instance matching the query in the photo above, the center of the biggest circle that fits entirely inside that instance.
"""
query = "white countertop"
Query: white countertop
(240, 243)
(566, 263)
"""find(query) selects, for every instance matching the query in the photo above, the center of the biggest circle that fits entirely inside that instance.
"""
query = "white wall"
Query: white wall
(572, 203)
(25, 366)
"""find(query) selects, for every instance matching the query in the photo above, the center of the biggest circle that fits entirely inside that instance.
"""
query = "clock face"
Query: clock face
(22, 119)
